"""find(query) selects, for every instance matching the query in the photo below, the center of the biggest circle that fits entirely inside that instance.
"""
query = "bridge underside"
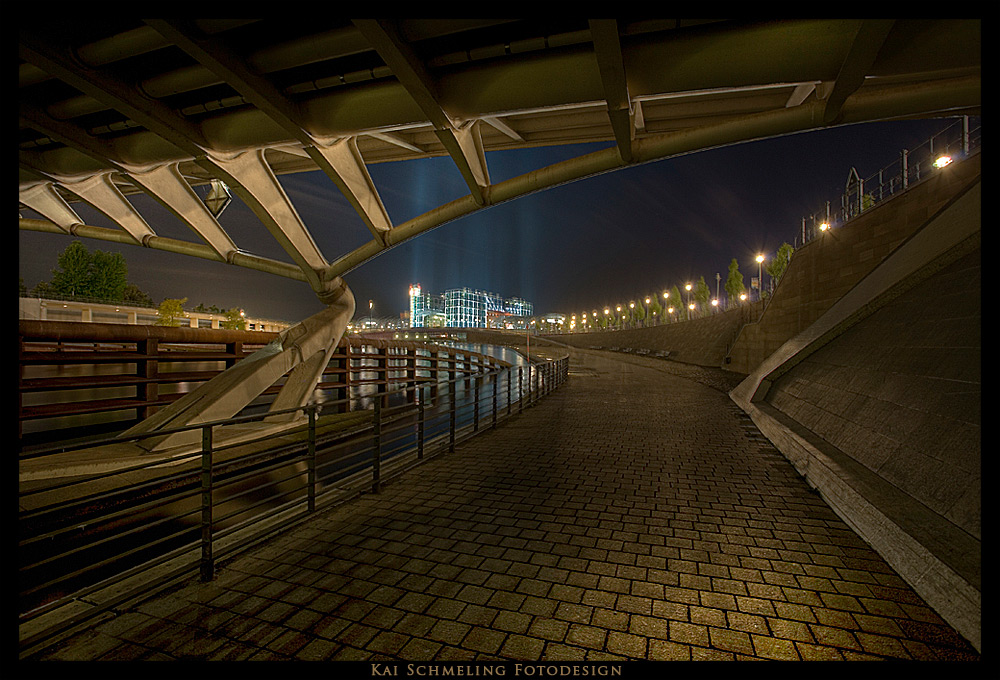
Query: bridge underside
(188, 110)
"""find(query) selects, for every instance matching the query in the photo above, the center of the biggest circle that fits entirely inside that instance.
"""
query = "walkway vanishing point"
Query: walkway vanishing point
(634, 513)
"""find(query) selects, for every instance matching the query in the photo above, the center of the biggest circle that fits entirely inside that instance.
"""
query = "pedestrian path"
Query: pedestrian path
(631, 514)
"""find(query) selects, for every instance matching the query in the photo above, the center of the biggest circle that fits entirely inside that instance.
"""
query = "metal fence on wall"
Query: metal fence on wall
(957, 141)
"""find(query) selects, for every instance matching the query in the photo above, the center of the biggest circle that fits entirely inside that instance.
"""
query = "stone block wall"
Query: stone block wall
(901, 393)
(702, 342)
(822, 271)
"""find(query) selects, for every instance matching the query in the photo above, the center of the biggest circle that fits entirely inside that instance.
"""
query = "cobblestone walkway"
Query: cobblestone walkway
(632, 514)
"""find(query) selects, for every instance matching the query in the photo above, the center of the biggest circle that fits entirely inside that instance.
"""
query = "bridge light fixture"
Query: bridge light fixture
(942, 161)
(824, 226)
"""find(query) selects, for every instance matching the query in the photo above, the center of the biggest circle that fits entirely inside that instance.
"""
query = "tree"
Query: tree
(702, 295)
(780, 262)
(638, 314)
(655, 310)
(43, 289)
(234, 320)
(21, 288)
(99, 275)
(134, 296)
(73, 272)
(171, 310)
(108, 276)
(734, 283)
(677, 302)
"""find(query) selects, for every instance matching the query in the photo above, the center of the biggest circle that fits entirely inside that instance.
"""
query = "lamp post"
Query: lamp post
(666, 296)
(631, 313)
(687, 287)
(646, 318)
(618, 316)
(760, 277)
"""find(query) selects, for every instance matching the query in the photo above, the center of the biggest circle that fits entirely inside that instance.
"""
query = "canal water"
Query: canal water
(88, 427)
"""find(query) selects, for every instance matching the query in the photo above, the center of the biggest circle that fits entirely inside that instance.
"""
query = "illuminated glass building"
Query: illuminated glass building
(466, 308)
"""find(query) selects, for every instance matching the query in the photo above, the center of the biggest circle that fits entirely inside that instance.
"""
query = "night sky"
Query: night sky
(578, 247)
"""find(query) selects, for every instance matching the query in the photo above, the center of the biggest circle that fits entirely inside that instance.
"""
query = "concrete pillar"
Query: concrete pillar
(87, 315)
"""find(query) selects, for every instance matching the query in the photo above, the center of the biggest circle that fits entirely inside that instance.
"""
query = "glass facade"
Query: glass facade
(467, 308)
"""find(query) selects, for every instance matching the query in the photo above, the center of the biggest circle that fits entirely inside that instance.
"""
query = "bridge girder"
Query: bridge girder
(163, 107)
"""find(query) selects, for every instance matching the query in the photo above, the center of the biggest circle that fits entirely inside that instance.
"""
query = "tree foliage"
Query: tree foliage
(74, 271)
(677, 302)
(234, 320)
(702, 294)
(98, 275)
(134, 296)
(779, 264)
(734, 283)
(171, 311)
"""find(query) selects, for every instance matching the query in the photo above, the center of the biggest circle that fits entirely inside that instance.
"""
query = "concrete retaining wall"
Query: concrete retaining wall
(877, 404)
(822, 271)
(702, 342)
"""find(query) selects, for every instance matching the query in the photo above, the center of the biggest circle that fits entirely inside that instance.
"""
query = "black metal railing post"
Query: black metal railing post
(520, 389)
(475, 403)
(377, 446)
(311, 462)
(420, 424)
(508, 373)
(451, 412)
(495, 377)
(207, 561)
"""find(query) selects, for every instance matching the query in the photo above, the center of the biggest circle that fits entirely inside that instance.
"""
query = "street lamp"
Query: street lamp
(687, 287)
(631, 315)
(760, 276)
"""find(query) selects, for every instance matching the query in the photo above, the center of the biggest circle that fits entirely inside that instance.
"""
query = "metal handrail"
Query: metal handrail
(957, 141)
(204, 513)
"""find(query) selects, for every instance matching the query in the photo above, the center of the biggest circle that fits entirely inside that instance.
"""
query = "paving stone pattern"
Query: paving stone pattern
(631, 514)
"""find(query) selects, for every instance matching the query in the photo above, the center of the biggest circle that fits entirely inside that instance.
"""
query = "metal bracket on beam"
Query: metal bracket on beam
(249, 175)
(503, 127)
(101, 193)
(867, 43)
(463, 144)
(343, 163)
(43, 199)
(608, 49)
(166, 184)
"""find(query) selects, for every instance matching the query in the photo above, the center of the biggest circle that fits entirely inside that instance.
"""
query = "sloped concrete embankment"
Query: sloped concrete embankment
(877, 403)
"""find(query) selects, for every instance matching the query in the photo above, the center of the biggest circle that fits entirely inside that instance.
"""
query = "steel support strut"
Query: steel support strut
(301, 351)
